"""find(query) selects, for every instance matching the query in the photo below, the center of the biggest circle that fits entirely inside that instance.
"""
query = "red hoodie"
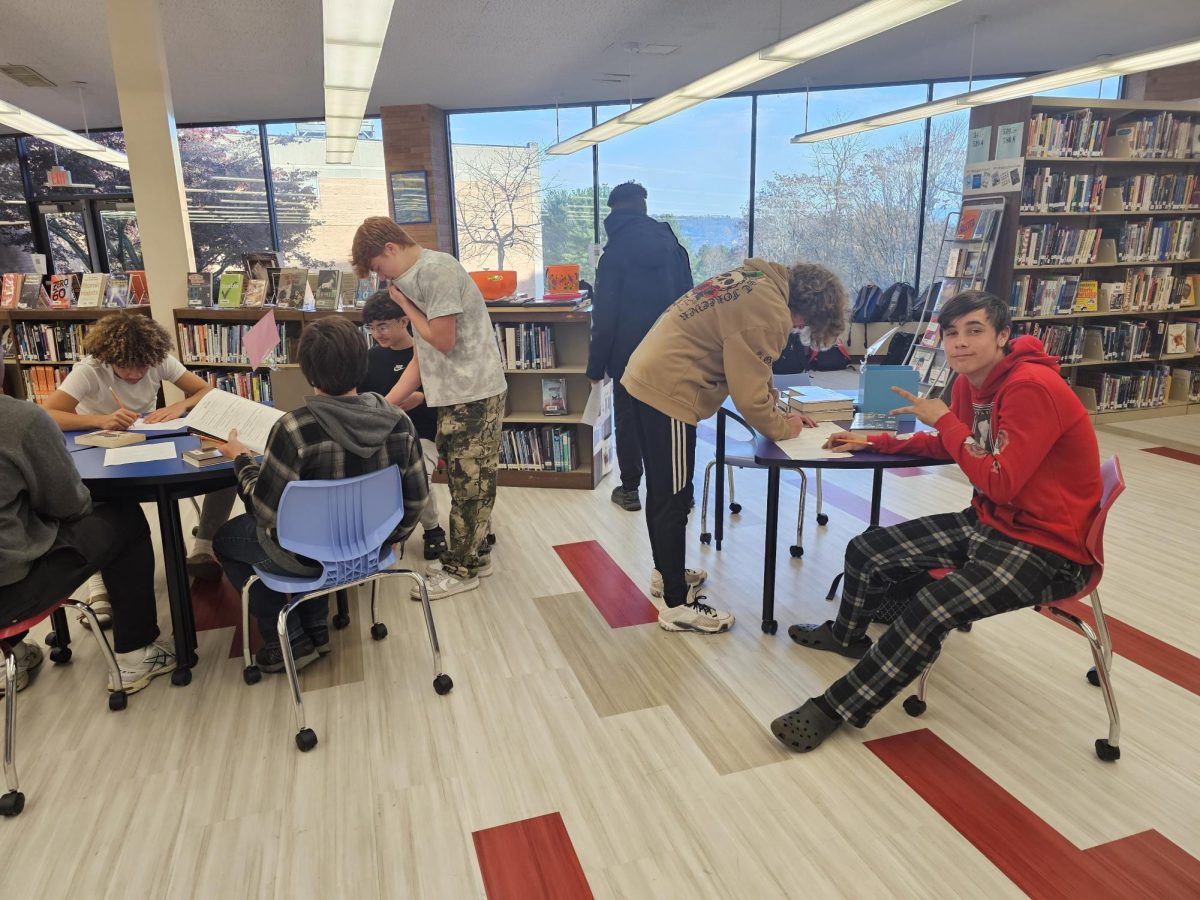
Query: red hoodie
(1025, 442)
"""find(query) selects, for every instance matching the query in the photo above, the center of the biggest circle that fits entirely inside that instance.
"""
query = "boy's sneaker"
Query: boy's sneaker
(435, 542)
(140, 667)
(29, 657)
(319, 635)
(695, 615)
(304, 652)
(626, 499)
(693, 577)
(101, 609)
(204, 567)
(440, 583)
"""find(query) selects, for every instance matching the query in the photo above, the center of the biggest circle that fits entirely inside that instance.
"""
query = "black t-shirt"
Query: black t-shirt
(384, 368)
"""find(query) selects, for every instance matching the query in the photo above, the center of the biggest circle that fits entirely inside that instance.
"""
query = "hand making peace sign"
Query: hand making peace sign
(927, 409)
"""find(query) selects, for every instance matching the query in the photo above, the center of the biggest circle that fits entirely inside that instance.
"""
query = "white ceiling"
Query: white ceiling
(257, 59)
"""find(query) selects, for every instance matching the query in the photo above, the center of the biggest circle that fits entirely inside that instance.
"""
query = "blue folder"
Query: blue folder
(875, 385)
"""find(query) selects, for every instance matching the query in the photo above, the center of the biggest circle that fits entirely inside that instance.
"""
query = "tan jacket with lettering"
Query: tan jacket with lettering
(716, 341)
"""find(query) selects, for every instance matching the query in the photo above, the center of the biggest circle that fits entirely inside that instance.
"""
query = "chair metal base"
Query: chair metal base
(797, 549)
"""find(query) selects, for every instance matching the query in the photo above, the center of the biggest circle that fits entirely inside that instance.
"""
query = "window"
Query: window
(16, 233)
(317, 206)
(516, 207)
(695, 167)
(89, 176)
(66, 229)
(850, 203)
(226, 194)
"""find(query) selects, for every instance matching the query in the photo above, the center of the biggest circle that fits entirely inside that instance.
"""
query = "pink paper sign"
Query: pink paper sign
(261, 339)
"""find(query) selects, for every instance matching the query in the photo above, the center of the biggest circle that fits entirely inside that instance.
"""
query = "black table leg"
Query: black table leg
(876, 495)
(183, 623)
(769, 625)
(719, 507)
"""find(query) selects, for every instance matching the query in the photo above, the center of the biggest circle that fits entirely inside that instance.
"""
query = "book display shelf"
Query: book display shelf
(1098, 250)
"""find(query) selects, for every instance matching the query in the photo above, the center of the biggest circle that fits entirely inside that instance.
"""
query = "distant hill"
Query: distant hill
(699, 231)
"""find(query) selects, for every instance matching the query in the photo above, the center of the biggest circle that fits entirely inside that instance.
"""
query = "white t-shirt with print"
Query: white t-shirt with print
(92, 382)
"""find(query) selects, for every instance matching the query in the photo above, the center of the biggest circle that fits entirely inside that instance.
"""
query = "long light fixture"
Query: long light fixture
(1128, 64)
(350, 64)
(858, 24)
(23, 121)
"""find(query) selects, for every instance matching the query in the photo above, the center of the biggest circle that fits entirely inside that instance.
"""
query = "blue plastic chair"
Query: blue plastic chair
(343, 525)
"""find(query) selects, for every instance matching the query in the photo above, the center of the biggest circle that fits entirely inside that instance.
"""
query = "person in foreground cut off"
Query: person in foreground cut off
(1026, 444)
(716, 341)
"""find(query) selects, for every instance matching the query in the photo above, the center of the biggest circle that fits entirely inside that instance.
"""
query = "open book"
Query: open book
(220, 412)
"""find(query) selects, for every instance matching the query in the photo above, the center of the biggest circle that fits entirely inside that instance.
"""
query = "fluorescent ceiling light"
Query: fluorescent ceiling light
(1128, 64)
(26, 122)
(350, 64)
(860, 23)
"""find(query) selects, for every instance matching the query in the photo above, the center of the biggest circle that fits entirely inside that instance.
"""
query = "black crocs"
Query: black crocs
(805, 728)
(820, 637)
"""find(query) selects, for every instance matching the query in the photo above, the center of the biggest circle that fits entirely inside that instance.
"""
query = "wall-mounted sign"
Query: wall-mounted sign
(410, 197)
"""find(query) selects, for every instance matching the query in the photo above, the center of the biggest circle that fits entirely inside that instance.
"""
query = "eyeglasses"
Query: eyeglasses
(380, 327)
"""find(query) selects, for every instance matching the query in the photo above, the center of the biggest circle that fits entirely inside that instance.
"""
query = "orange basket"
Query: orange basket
(494, 285)
(562, 278)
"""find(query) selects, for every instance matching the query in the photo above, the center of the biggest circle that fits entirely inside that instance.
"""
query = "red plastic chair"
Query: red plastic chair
(1108, 749)
(13, 802)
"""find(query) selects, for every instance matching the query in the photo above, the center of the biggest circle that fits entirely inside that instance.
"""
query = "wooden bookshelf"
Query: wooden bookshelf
(1118, 163)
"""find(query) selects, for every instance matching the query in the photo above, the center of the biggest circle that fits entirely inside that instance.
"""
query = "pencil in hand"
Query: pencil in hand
(120, 405)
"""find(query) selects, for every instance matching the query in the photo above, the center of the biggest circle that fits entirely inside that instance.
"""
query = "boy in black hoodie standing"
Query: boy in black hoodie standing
(644, 270)
(339, 433)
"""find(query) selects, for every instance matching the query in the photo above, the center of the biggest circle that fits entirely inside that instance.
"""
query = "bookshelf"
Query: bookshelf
(1120, 211)
(210, 346)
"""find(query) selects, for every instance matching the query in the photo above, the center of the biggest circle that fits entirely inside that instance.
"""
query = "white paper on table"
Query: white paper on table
(220, 412)
(179, 424)
(809, 445)
(591, 411)
(137, 453)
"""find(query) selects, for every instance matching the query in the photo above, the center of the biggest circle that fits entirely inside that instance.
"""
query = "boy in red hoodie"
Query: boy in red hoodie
(1024, 440)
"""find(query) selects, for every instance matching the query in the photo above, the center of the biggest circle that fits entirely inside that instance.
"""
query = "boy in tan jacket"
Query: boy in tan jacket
(716, 341)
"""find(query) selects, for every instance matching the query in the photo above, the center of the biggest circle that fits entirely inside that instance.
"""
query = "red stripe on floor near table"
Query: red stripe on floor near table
(1171, 453)
(1159, 657)
(1038, 860)
(611, 591)
(533, 859)
(908, 473)
(217, 605)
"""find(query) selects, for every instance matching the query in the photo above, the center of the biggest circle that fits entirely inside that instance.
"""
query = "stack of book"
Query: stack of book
(251, 385)
(1045, 190)
(548, 448)
(50, 341)
(526, 346)
(216, 342)
(1148, 193)
(818, 403)
(1165, 135)
(1064, 341)
(1075, 133)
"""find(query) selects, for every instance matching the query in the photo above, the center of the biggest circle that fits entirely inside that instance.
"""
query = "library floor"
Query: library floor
(576, 758)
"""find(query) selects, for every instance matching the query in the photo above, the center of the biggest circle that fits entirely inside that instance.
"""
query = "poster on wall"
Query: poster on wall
(1008, 141)
(410, 197)
(993, 177)
(979, 144)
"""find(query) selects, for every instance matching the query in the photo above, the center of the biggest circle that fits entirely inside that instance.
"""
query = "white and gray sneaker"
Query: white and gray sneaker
(140, 667)
(28, 656)
(693, 577)
(695, 615)
(440, 583)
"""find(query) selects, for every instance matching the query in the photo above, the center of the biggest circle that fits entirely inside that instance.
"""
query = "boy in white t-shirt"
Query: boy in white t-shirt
(129, 357)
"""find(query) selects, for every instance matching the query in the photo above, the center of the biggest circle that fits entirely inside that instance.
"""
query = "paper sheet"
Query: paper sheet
(219, 412)
(591, 411)
(169, 425)
(808, 445)
(261, 339)
(137, 453)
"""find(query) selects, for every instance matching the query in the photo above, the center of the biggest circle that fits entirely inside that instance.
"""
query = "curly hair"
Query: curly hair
(817, 294)
(127, 339)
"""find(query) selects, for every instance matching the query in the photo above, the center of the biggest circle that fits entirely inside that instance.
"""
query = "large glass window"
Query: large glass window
(226, 194)
(317, 206)
(695, 167)
(16, 232)
(850, 203)
(88, 176)
(515, 206)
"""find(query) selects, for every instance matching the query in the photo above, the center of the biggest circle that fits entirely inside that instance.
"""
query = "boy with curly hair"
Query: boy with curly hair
(718, 340)
(116, 383)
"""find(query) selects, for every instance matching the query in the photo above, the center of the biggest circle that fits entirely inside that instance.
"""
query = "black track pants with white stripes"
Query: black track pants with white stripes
(669, 458)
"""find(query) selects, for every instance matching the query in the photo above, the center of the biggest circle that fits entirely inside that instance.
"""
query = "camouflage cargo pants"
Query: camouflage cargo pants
(468, 439)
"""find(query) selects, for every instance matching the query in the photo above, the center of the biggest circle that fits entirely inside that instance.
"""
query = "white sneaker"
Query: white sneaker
(140, 667)
(695, 615)
(440, 583)
(693, 577)
(29, 657)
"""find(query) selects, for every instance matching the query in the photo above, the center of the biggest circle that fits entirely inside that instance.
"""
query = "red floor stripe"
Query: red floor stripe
(1159, 657)
(908, 473)
(217, 605)
(533, 859)
(619, 600)
(1038, 860)
(1170, 453)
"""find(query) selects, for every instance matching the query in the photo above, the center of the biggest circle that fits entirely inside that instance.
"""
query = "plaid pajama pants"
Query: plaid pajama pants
(992, 574)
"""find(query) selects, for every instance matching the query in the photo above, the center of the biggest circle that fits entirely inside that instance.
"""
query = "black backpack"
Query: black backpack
(924, 303)
(794, 359)
(896, 303)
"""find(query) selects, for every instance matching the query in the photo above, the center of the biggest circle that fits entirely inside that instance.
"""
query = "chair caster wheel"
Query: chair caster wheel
(60, 655)
(251, 675)
(491, 539)
(1093, 677)
(822, 519)
(1107, 751)
(118, 700)
(915, 706)
(340, 621)
(706, 538)
(52, 639)
(180, 677)
(379, 631)
(770, 627)
(796, 550)
(12, 803)
(306, 739)
(965, 628)
(735, 508)
(443, 684)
